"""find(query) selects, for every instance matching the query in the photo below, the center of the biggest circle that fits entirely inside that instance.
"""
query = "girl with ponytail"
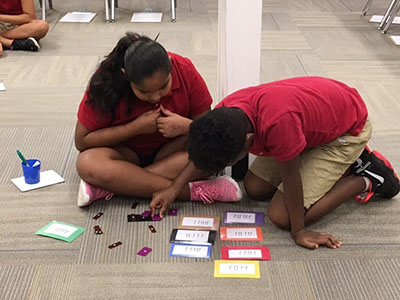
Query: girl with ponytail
(134, 118)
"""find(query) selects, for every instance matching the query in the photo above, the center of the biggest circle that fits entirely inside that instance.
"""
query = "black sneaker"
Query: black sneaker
(378, 169)
(29, 44)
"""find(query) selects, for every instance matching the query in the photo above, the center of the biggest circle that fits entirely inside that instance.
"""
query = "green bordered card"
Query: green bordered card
(61, 231)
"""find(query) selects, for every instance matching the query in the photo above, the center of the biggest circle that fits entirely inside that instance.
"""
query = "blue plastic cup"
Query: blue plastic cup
(31, 172)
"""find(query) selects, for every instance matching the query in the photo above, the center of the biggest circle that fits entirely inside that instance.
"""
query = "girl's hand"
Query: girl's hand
(162, 199)
(146, 122)
(171, 125)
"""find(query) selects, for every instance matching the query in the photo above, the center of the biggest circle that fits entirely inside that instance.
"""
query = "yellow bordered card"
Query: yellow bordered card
(237, 268)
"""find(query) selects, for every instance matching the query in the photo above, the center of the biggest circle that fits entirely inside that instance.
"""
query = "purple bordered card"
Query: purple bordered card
(244, 217)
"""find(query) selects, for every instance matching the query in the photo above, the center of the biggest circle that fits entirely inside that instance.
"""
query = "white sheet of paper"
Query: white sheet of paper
(192, 235)
(199, 222)
(241, 268)
(47, 178)
(396, 39)
(239, 217)
(378, 19)
(241, 253)
(232, 233)
(146, 17)
(61, 229)
(78, 17)
(2, 87)
(193, 251)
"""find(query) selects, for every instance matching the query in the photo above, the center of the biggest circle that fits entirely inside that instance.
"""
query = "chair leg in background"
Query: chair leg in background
(387, 14)
(393, 14)
(173, 10)
(43, 4)
(367, 7)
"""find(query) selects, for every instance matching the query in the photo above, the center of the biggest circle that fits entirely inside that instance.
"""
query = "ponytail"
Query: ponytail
(140, 56)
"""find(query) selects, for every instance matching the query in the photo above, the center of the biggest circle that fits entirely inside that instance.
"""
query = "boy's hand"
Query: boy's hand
(171, 124)
(161, 200)
(312, 240)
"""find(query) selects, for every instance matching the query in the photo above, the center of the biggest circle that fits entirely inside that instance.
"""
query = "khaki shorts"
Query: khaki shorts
(320, 167)
(6, 26)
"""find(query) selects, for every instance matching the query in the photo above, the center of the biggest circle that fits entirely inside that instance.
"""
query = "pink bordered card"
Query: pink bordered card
(245, 252)
(241, 234)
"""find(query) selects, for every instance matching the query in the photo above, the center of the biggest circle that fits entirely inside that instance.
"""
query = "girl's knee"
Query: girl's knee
(87, 165)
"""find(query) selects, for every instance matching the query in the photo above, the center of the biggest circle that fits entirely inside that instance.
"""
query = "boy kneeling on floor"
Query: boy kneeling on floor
(306, 133)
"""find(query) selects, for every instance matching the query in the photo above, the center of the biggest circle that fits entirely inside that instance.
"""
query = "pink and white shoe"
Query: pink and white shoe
(223, 188)
(88, 194)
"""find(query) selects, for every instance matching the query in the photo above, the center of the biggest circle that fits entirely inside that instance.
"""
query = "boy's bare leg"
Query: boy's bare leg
(257, 188)
(344, 189)
(36, 28)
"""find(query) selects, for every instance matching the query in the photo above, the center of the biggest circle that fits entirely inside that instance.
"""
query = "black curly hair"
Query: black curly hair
(217, 138)
(140, 56)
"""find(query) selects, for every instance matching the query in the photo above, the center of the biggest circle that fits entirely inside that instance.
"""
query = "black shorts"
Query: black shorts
(146, 160)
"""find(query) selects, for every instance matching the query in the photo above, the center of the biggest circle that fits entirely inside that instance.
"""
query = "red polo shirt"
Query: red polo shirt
(10, 7)
(189, 97)
(291, 115)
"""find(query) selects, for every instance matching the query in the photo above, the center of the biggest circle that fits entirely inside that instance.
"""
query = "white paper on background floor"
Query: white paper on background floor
(146, 17)
(396, 39)
(46, 178)
(2, 87)
(378, 19)
(78, 17)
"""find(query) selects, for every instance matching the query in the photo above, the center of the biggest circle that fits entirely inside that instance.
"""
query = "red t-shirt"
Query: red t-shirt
(291, 115)
(189, 97)
(10, 7)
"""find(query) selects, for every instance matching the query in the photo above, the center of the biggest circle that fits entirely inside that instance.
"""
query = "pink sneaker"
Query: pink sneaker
(223, 188)
(88, 194)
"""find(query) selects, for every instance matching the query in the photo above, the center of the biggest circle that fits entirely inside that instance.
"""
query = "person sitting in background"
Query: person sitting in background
(19, 27)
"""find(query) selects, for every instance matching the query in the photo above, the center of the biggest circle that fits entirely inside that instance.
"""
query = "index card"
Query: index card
(239, 269)
(245, 252)
(46, 178)
(78, 17)
(146, 17)
(190, 250)
(199, 222)
(396, 39)
(241, 234)
(193, 236)
(61, 231)
(244, 217)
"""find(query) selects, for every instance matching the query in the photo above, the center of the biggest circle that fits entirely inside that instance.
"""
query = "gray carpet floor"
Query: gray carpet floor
(38, 114)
